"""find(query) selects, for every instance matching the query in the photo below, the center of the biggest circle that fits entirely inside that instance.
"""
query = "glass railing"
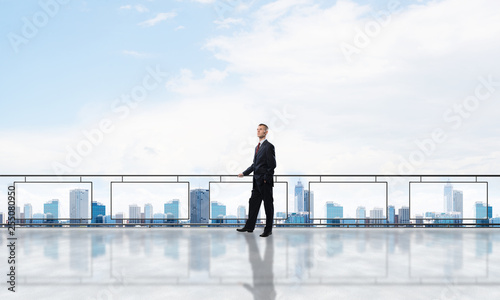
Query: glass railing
(222, 200)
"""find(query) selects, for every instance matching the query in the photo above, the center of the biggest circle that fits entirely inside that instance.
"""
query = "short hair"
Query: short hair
(262, 124)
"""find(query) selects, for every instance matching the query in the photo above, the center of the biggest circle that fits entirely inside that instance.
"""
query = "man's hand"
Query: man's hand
(240, 175)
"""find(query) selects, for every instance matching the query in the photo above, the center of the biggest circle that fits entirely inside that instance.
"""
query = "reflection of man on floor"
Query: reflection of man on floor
(263, 278)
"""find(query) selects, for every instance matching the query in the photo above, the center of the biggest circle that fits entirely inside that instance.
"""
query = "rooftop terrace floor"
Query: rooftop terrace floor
(220, 263)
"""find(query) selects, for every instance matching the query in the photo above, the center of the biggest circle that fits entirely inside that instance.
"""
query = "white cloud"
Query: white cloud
(139, 8)
(159, 17)
(180, 27)
(326, 115)
(227, 22)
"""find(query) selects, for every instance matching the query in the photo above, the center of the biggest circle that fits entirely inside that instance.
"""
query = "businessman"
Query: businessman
(264, 163)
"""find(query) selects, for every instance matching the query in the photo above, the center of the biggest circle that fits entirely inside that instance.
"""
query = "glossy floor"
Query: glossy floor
(220, 263)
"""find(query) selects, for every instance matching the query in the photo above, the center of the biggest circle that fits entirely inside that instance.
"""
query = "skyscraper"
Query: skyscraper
(199, 206)
(458, 202)
(51, 210)
(1, 218)
(299, 197)
(404, 214)
(148, 213)
(309, 203)
(377, 213)
(17, 214)
(391, 211)
(28, 211)
(134, 213)
(217, 210)
(98, 209)
(334, 212)
(78, 205)
(448, 198)
(361, 214)
(242, 212)
(172, 207)
(482, 214)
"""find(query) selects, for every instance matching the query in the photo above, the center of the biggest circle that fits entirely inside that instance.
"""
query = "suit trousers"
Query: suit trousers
(260, 192)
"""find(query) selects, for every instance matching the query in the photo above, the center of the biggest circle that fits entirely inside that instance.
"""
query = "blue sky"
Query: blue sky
(228, 65)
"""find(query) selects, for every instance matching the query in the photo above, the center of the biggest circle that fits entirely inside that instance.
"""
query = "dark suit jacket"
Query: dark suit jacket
(264, 163)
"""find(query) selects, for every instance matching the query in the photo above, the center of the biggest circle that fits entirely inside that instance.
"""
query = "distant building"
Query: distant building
(377, 213)
(119, 218)
(334, 212)
(108, 220)
(199, 205)
(172, 207)
(1, 218)
(28, 211)
(51, 211)
(38, 218)
(79, 205)
(299, 197)
(404, 215)
(159, 218)
(458, 202)
(217, 211)
(448, 198)
(297, 218)
(148, 213)
(98, 209)
(482, 214)
(309, 203)
(361, 215)
(134, 214)
(391, 211)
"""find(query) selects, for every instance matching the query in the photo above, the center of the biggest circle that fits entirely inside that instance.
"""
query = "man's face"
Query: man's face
(261, 132)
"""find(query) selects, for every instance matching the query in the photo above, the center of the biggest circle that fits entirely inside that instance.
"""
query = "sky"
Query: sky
(179, 87)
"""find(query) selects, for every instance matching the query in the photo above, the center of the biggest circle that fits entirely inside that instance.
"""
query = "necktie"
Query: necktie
(258, 146)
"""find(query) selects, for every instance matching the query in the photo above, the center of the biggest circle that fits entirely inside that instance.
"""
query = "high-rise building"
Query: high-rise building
(334, 212)
(217, 211)
(134, 213)
(173, 208)
(98, 209)
(78, 205)
(458, 202)
(119, 218)
(377, 213)
(404, 214)
(17, 214)
(309, 203)
(199, 206)
(391, 213)
(242, 212)
(482, 214)
(361, 214)
(448, 198)
(148, 213)
(28, 211)
(299, 197)
(51, 210)
(1, 218)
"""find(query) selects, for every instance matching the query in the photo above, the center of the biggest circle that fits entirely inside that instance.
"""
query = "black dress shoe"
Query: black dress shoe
(266, 234)
(244, 229)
